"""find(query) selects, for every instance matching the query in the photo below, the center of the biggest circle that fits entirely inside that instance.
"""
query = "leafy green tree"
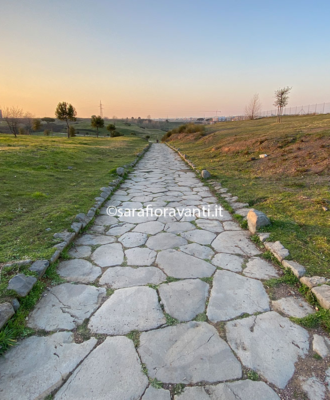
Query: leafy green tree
(111, 128)
(97, 122)
(36, 124)
(66, 112)
(72, 131)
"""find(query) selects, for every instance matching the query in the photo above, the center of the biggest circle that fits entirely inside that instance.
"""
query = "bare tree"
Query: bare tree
(13, 117)
(281, 101)
(252, 110)
(28, 122)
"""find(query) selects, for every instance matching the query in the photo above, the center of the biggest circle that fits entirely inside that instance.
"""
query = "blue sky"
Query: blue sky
(164, 58)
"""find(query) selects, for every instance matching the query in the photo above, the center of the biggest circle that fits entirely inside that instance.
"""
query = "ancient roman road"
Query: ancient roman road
(158, 307)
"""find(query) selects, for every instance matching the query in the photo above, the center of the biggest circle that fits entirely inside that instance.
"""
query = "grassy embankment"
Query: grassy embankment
(291, 185)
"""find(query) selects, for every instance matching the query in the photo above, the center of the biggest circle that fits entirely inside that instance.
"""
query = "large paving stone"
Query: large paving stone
(196, 250)
(78, 270)
(80, 252)
(65, 306)
(39, 365)
(185, 299)
(314, 388)
(130, 309)
(228, 261)
(108, 255)
(163, 241)
(235, 242)
(233, 295)
(138, 218)
(120, 229)
(293, 307)
(140, 256)
(105, 220)
(21, 284)
(260, 269)
(179, 227)
(156, 394)
(150, 228)
(199, 236)
(193, 393)
(112, 371)
(120, 277)
(180, 265)
(94, 240)
(242, 390)
(210, 225)
(188, 353)
(269, 344)
(321, 345)
(133, 239)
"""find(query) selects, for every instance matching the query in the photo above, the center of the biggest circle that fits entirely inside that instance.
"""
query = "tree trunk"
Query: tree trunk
(67, 124)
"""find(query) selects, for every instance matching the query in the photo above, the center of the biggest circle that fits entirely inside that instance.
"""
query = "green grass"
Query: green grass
(38, 191)
(291, 186)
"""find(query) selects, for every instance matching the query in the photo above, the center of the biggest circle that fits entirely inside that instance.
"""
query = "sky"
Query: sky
(173, 58)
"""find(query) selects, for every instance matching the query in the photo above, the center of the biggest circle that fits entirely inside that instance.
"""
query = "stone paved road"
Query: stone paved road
(180, 286)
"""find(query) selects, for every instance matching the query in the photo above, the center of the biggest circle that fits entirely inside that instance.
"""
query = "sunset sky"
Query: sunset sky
(164, 58)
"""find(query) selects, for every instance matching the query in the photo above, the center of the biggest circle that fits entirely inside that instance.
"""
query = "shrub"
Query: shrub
(21, 131)
(133, 133)
(115, 134)
(46, 132)
(72, 131)
(147, 137)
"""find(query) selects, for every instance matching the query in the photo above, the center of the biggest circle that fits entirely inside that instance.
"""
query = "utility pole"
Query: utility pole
(101, 110)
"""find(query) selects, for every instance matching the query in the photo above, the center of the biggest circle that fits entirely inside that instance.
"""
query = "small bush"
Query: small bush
(47, 132)
(72, 131)
(147, 137)
(22, 131)
(114, 134)
(133, 133)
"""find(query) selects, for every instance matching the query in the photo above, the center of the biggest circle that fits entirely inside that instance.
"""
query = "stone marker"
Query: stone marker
(39, 267)
(180, 265)
(188, 353)
(242, 390)
(269, 344)
(120, 277)
(260, 269)
(21, 284)
(108, 255)
(65, 306)
(129, 309)
(322, 293)
(39, 365)
(321, 345)
(185, 299)
(78, 270)
(6, 312)
(112, 371)
(205, 174)
(296, 268)
(233, 295)
(293, 307)
(256, 220)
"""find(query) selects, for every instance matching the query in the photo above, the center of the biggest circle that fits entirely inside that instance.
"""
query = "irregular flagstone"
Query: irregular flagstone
(163, 241)
(199, 236)
(210, 225)
(188, 353)
(120, 277)
(261, 269)
(231, 226)
(314, 388)
(140, 256)
(78, 270)
(138, 218)
(120, 229)
(178, 227)
(321, 345)
(197, 250)
(235, 242)
(94, 240)
(156, 394)
(228, 261)
(180, 265)
(193, 393)
(108, 255)
(105, 220)
(80, 252)
(233, 295)
(185, 299)
(65, 306)
(133, 239)
(39, 365)
(150, 228)
(269, 344)
(293, 307)
(131, 205)
(129, 309)
(242, 390)
(112, 371)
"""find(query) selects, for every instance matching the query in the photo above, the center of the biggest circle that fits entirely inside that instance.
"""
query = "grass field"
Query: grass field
(291, 185)
(39, 191)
